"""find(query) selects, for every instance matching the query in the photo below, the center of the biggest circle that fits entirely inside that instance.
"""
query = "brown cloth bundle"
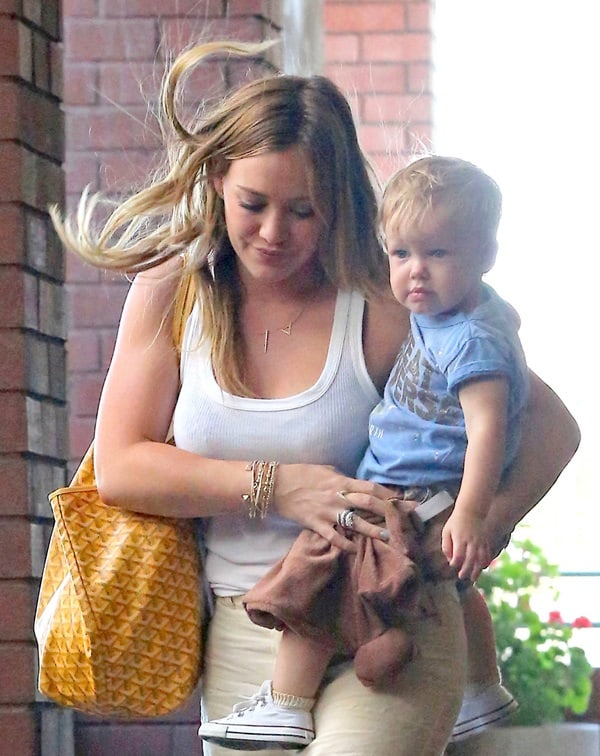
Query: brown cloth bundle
(360, 602)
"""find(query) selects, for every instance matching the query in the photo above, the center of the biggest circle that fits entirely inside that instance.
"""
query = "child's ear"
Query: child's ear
(489, 251)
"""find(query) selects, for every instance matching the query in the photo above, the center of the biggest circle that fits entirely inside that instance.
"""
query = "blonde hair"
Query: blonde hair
(181, 212)
(470, 194)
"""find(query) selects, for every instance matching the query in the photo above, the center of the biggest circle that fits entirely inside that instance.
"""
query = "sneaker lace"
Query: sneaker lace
(250, 703)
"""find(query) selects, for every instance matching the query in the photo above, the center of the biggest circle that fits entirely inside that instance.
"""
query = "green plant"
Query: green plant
(543, 670)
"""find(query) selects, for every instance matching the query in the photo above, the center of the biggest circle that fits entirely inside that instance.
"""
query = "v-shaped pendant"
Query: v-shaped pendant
(287, 330)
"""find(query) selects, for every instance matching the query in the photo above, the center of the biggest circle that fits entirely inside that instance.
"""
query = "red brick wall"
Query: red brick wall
(380, 54)
(32, 370)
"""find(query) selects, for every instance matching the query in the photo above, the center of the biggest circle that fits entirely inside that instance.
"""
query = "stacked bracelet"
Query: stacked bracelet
(263, 485)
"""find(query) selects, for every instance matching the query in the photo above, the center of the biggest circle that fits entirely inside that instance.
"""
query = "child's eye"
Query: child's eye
(401, 254)
(438, 253)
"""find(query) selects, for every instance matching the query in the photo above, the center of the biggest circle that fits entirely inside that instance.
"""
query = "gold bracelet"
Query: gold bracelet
(261, 489)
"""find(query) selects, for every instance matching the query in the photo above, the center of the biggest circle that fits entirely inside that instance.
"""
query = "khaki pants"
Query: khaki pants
(415, 718)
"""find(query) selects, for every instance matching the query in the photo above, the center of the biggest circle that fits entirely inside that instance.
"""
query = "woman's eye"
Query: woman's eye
(303, 212)
(252, 207)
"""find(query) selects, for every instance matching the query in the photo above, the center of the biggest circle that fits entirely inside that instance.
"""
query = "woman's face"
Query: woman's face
(271, 221)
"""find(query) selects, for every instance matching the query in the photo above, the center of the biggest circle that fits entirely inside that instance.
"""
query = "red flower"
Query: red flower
(556, 617)
(581, 622)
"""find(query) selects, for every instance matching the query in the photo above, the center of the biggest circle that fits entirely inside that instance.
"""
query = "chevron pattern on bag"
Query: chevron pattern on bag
(118, 617)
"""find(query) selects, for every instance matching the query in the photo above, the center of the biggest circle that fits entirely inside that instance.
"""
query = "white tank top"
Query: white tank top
(326, 424)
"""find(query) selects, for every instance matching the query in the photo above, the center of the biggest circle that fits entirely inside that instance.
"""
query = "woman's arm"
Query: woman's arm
(550, 437)
(134, 467)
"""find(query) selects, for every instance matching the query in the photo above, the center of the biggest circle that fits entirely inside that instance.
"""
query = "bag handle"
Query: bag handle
(184, 303)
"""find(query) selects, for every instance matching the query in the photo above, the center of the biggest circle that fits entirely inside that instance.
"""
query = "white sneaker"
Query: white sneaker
(486, 708)
(259, 723)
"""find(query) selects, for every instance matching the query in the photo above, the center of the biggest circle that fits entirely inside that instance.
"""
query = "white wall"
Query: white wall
(516, 86)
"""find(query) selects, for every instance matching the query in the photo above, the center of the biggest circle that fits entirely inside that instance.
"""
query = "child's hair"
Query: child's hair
(180, 210)
(470, 194)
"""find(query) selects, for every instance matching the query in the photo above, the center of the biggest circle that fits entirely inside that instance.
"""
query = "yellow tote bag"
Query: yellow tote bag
(118, 619)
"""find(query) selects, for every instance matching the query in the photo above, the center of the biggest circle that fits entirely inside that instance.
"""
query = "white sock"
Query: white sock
(289, 701)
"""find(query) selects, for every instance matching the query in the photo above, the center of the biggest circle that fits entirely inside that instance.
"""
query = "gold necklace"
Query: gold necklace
(287, 330)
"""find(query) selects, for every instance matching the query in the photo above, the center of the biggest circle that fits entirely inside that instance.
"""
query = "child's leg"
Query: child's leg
(300, 665)
(486, 701)
(279, 714)
(482, 667)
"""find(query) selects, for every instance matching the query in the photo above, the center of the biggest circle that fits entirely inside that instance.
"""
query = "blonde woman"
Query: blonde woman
(268, 201)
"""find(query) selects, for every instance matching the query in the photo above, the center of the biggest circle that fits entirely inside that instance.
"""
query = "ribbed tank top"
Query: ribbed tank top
(326, 424)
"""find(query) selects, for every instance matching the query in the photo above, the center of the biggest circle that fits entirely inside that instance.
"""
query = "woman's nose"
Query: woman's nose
(274, 227)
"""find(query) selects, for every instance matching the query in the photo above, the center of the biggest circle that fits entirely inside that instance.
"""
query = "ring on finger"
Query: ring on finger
(345, 518)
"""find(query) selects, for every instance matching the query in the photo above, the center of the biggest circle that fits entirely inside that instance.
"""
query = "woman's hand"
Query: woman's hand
(314, 495)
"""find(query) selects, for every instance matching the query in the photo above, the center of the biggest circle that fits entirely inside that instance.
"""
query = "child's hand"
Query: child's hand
(465, 544)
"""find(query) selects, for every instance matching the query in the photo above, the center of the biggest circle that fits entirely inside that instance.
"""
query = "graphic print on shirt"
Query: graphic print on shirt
(419, 387)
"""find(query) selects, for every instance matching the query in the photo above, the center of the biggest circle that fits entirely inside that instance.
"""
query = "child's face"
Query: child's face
(436, 266)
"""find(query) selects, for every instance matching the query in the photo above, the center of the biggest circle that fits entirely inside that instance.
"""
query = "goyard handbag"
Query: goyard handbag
(118, 619)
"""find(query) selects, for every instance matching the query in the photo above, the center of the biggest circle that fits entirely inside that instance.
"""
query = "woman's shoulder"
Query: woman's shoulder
(161, 283)
(385, 327)
(152, 299)
(165, 275)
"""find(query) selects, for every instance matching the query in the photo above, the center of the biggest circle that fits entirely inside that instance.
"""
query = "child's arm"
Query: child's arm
(464, 539)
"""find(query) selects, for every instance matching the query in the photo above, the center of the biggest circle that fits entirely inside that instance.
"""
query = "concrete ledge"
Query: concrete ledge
(545, 740)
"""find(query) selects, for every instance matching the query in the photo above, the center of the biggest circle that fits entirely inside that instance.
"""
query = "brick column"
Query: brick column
(379, 53)
(32, 365)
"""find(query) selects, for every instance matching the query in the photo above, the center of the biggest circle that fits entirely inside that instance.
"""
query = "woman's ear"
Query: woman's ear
(217, 183)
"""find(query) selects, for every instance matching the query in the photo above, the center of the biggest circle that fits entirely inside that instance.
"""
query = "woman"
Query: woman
(285, 353)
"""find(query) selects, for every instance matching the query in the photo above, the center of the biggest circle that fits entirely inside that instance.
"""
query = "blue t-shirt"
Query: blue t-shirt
(417, 433)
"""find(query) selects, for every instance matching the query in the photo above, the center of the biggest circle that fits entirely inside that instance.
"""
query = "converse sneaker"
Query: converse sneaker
(482, 710)
(259, 723)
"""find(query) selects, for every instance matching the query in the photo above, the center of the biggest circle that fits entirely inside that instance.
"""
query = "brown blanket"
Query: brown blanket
(360, 602)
